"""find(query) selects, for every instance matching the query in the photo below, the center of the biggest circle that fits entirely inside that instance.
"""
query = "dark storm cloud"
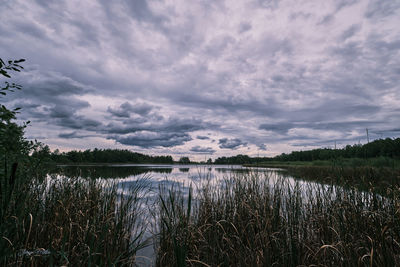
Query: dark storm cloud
(202, 150)
(125, 109)
(54, 99)
(280, 128)
(148, 128)
(160, 124)
(78, 122)
(152, 139)
(233, 143)
(74, 134)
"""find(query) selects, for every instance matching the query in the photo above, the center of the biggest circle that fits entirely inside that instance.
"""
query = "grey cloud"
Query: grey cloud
(30, 28)
(296, 15)
(228, 104)
(125, 109)
(139, 9)
(163, 125)
(377, 9)
(233, 143)
(262, 147)
(54, 99)
(152, 129)
(216, 47)
(353, 29)
(340, 4)
(202, 150)
(152, 139)
(289, 75)
(244, 27)
(330, 142)
(118, 112)
(202, 137)
(79, 122)
(280, 128)
(327, 19)
(284, 127)
(59, 111)
(72, 135)
(269, 4)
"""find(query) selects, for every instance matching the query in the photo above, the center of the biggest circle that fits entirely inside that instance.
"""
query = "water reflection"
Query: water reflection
(122, 171)
(158, 179)
(108, 172)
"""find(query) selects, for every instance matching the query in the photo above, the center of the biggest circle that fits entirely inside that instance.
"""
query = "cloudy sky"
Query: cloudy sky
(205, 78)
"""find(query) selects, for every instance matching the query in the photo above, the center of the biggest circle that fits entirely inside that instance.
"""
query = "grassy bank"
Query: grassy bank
(259, 221)
(74, 222)
(378, 162)
(365, 178)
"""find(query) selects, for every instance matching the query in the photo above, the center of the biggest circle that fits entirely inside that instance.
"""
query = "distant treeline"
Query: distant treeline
(238, 159)
(107, 156)
(379, 148)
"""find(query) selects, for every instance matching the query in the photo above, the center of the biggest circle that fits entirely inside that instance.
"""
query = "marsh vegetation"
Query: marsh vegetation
(255, 219)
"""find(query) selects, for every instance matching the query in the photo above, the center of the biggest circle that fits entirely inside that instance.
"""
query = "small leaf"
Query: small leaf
(19, 60)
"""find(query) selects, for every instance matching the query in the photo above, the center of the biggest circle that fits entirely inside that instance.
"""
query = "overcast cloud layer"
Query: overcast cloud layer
(205, 77)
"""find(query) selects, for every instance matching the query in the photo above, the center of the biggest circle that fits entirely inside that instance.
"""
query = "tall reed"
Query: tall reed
(257, 220)
(75, 222)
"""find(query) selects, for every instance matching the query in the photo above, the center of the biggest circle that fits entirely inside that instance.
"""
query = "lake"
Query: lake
(182, 177)
(165, 176)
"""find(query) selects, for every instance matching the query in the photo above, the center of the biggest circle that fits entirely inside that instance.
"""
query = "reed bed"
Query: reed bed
(257, 220)
(367, 178)
(72, 222)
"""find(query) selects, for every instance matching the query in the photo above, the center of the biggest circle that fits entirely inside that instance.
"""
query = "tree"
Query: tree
(13, 145)
(184, 160)
(11, 134)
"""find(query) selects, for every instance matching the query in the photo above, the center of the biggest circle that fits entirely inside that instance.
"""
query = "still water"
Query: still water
(158, 176)
(183, 177)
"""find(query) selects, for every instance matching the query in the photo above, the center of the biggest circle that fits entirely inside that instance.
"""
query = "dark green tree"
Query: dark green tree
(184, 160)
(13, 145)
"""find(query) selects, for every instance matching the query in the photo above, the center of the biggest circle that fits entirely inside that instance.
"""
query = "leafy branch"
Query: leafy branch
(5, 68)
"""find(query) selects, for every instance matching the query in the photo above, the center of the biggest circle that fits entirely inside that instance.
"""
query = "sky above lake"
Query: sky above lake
(205, 78)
